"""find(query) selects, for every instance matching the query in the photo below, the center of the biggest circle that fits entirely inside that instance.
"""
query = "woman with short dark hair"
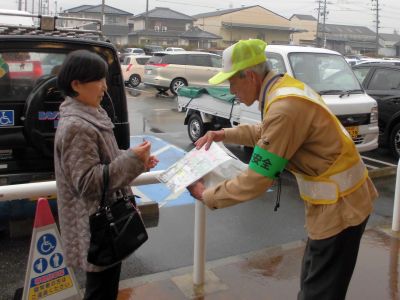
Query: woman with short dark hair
(84, 144)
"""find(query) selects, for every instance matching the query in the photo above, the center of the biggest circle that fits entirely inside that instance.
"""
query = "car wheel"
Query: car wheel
(196, 127)
(395, 141)
(176, 84)
(134, 80)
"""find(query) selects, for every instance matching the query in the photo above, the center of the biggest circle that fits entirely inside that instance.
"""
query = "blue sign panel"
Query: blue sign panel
(40, 265)
(46, 244)
(6, 118)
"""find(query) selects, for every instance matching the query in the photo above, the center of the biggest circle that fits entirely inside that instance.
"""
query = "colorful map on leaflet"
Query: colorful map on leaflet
(193, 166)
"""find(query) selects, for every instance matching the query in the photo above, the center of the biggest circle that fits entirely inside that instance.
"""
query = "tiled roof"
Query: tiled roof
(303, 17)
(258, 26)
(347, 29)
(390, 37)
(220, 12)
(196, 32)
(97, 9)
(164, 13)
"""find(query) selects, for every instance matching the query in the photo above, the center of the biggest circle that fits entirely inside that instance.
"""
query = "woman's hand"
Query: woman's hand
(153, 161)
(143, 152)
(209, 137)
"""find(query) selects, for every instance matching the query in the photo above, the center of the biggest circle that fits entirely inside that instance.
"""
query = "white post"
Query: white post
(199, 243)
(48, 188)
(396, 206)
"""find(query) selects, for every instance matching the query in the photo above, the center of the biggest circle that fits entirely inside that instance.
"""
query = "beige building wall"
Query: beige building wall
(304, 37)
(257, 16)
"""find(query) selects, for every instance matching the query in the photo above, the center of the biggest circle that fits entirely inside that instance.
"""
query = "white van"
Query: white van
(18, 18)
(328, 73)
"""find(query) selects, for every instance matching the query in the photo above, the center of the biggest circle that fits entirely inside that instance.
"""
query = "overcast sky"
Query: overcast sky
(347, 12)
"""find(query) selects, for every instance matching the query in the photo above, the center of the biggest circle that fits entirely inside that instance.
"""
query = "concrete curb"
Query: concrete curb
(382, 172)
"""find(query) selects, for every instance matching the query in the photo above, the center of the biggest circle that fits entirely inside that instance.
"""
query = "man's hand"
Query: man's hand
(196, 189)
(209, 137)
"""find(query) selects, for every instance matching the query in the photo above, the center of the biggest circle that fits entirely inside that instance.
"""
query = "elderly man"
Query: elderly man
(298, 133)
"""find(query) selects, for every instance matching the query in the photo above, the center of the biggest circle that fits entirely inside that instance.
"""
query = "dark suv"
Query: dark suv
(382, 82)
(30, 100)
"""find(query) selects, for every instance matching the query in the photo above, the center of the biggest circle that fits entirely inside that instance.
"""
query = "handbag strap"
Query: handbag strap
(104, 196)
(106, 175)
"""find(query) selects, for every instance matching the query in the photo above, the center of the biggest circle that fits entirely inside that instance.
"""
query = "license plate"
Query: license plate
(20, 67)
(354, 131)
(148, 72)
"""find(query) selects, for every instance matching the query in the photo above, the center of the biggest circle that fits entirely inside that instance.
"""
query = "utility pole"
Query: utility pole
(103, 17)
(318, 29)
(146, 21)
(376, 9)
(324, 22)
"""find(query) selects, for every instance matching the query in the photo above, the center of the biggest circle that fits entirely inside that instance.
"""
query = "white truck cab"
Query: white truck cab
(328, 73)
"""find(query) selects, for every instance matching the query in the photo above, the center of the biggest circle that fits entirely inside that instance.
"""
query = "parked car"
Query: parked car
(382, 82)
(174, 49)
(150, 49)
(172, 70)
(130, 51)
(352, 59)
(377, 61)
(133, 69)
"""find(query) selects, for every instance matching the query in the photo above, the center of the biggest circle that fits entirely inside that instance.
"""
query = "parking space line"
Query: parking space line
(379, 161)
(161, 150)
(143, 197)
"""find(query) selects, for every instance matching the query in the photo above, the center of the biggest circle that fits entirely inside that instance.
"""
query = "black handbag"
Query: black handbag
(116, 229)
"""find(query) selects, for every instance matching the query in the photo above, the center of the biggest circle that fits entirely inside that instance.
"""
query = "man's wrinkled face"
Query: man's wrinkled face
(244, 87)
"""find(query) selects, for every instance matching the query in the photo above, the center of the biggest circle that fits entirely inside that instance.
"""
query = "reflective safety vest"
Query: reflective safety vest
(346, 174)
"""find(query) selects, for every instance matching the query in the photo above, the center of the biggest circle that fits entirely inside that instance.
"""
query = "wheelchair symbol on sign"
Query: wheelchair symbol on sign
(4, 119)
(46, 244)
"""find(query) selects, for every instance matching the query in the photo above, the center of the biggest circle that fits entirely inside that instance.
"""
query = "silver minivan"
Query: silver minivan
(172, 70)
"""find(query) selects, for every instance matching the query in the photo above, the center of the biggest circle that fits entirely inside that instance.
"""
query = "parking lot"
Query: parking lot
(252, 225)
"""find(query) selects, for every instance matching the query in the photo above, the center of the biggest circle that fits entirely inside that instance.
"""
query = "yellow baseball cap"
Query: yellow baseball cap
(240, 56)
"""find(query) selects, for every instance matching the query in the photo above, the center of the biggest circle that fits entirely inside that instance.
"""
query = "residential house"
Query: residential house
(347, 39)
(309, 24)
(389, 44)
(115, 26)
(244, 23)
(166, 27)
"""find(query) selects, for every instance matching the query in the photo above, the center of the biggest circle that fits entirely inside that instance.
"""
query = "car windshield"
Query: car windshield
(325, 73)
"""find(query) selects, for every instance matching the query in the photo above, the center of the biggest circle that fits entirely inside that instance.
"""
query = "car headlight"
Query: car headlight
(374, 115)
